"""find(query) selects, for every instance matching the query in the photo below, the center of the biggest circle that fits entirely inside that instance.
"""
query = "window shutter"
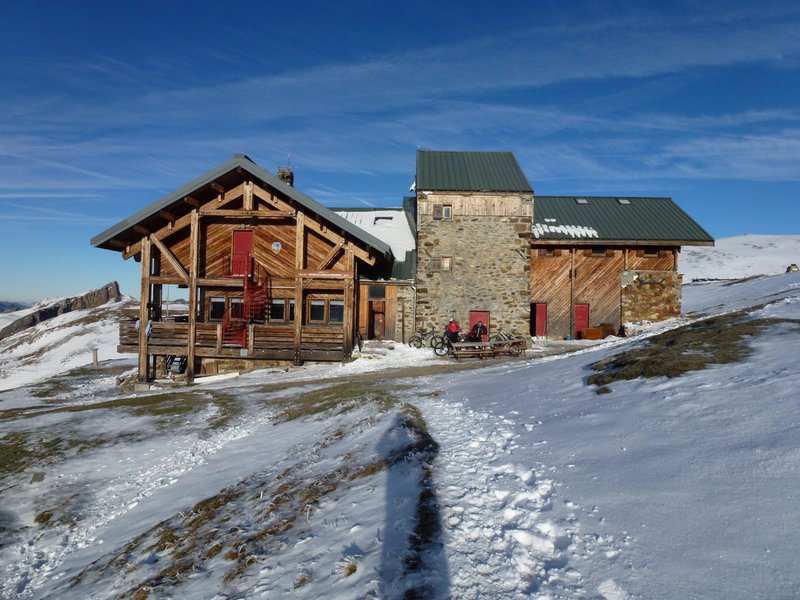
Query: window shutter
(435, 265)
(437, 211)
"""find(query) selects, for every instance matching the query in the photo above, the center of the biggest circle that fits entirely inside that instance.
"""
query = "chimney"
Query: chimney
(286, 175)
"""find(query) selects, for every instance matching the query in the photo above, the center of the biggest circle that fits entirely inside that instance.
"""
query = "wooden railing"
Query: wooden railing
(264, 341)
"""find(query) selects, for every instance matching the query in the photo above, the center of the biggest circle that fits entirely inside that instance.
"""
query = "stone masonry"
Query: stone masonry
(650, 296)
(489, 270)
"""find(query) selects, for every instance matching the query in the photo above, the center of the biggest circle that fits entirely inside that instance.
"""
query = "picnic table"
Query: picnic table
(491, 349)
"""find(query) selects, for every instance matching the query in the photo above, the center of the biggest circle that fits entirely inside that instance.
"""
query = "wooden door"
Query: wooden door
(539, 320)
(242, 252)
(581, 319)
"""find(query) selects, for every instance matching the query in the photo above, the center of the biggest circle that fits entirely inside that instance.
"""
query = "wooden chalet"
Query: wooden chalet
(271, 274)
(600, 263)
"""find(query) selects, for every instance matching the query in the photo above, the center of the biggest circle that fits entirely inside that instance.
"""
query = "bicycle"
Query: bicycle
(443, 345)
(424, 338)
(515, 343)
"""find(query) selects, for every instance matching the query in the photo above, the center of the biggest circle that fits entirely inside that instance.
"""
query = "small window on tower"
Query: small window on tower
(447, 211)
(447, 263)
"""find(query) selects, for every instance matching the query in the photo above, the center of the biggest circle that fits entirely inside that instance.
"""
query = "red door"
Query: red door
(581, 319)
(241, 255)
(539, 328)
(478, 315)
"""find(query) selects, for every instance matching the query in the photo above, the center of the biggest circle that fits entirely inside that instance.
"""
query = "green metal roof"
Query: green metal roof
(593, 218)
(124, 229)
(469, 172)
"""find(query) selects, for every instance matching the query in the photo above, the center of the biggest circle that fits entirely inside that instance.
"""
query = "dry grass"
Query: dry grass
(718, 340)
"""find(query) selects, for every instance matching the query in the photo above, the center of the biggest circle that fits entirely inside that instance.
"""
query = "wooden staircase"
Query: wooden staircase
(252, 309)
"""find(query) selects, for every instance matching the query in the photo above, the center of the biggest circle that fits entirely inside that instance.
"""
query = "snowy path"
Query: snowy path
(497, 514)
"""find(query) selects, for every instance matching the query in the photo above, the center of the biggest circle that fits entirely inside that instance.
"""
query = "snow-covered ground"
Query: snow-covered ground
(739, 257)
(514, 479)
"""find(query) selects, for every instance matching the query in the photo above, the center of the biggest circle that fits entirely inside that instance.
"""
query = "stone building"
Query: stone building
(473, 220)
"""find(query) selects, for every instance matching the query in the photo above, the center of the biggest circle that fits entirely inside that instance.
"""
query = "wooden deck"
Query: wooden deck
(264, 342)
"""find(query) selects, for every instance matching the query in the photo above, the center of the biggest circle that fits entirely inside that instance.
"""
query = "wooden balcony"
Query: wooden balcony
(264, 342)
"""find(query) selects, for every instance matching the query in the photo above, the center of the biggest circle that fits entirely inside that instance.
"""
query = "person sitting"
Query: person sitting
(478, 333)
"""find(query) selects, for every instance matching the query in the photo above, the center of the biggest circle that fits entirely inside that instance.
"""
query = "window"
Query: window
(325, 312)
(277, 310)
(598, 251)
(623, 201)
(546, 252)
(442, 211)
(336, 311)
(376, 292)
(316, 311)
(581, 201)
(216, 309)
(447, 263)
(650, 252)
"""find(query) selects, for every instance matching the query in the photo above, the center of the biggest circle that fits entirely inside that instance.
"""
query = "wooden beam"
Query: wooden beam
(179, 224)
(170, 259)
(330, 256)
(144, 300)
(194, 254)
(326, 261)
(270, 198)
(141, 229)
(337, 238)
(246, 214)
(193, 202)
(349, 302)
(217, 187)
(248, 195)
(299, 264)
(165, 214)
(303, 274)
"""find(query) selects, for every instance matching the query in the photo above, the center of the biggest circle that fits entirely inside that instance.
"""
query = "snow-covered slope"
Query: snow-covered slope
(739, 257)
(59, 344)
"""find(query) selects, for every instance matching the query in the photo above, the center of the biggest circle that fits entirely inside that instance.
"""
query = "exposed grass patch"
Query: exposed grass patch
(339, 398)
(718, 340)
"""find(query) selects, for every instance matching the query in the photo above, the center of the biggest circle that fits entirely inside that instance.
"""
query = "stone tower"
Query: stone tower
(474, 213)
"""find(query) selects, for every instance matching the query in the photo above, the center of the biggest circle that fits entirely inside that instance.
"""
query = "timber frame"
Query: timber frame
(287, 294)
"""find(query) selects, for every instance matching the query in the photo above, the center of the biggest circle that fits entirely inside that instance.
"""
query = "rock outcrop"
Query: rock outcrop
(108, 293)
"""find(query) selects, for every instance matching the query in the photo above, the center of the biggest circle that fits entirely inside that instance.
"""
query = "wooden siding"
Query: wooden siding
(476, 204)
(563, 276)
(550, 285)
(302, 259)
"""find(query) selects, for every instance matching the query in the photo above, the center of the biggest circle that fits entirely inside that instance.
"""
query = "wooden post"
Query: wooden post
(144, 300)
(94, 357)
(299, 264)
(348, 299)
(194, 254)
(571, 293)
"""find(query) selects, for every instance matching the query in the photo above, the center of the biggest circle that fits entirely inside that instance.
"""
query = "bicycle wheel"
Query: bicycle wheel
(441, 347)
(415, 341)
(435, 339)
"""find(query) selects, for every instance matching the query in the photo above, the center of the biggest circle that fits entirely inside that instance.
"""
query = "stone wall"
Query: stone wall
(650, 296)
(404, 323)
(474, 262)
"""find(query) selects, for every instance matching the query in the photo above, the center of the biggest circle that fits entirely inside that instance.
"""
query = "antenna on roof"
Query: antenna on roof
(286, 174)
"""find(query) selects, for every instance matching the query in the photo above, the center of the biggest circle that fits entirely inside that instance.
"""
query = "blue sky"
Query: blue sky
(107, 106)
